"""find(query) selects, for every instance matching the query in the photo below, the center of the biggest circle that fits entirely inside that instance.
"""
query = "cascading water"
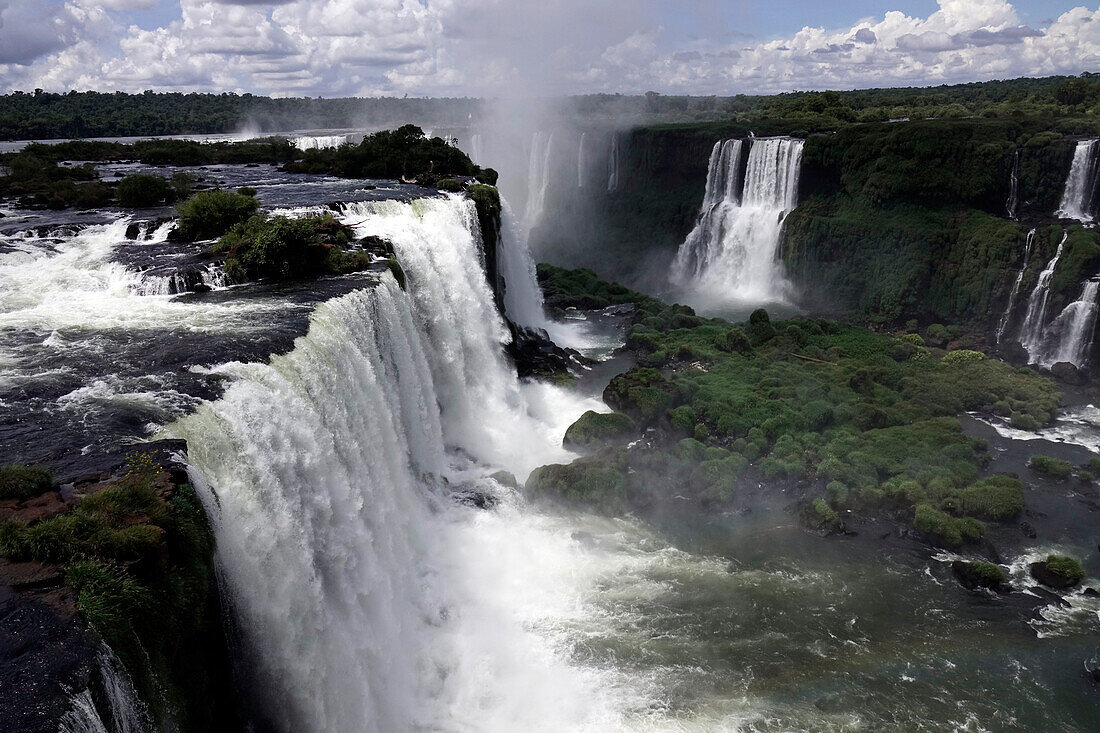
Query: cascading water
(613, 165)
(1031, 330)
(319, 142)
(538, 177)
(523, 301)
(1013, 187)
(120, 709)
(1007, 316)
(477, 153)
(1081, 183)
(1072, 331)
(730, 255)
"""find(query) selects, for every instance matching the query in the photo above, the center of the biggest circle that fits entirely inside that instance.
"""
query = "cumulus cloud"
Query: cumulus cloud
(471, 47)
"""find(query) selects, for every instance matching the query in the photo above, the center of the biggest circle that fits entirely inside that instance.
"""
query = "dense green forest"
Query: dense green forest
(45, 115)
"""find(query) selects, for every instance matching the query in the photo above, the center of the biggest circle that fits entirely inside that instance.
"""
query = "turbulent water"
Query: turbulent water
(1077, 199)
(731, 254)
(319, 142)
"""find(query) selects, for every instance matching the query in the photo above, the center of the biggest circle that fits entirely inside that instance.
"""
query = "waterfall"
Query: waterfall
(1013, 186)
(1081, 182)
(1073, 329)
(582, 161)
(538, 177)
(477, 154)
(523, 301)
(319, 142)
(1031, 330)
(120, 711)
(730, 255)
(613, 164)
(1003, 324)
(367, 603)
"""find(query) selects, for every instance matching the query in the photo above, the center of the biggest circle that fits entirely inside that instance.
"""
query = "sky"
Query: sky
(535, 47)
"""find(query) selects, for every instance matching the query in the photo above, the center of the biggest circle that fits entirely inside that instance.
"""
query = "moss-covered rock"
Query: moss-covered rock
(976, 574)
(1058, 571)
(596, 428)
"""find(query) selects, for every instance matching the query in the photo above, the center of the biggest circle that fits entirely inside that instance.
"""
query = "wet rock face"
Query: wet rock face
(1068, 373)
(44, 654)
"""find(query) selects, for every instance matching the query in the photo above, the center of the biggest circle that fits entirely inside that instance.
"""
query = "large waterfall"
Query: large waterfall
(731, 255)
(1031, 330)
(367, 600)
(1010, 305)
(1081, 183)
(538, 177)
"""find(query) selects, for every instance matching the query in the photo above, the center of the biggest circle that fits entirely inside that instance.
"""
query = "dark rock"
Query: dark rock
(1092, 592)
(973, 575)
(475, 498)
(536, 355)
(1066, 372)
(1042, 573)
(1027, 529)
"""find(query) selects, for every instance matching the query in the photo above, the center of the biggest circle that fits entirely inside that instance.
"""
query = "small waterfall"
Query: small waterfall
(523, 301)
(212, 277)
(582, 161)
(731, 252)
(1072, 331)
(477, 153)
(1013, 185)
(1007, 316)
(124, 713)
(538, 177)
(319, 142)
(1081, 182)
(1031, 330)
(613, 164)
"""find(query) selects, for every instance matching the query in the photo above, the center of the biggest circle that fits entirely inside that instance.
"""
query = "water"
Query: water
(1081, 183)
(1032, 328)
(1013, 194)
(121, 711)
(613, 165)
(538, 177)
(731, 254)
(582, 160)
(319, 142)
(1071, 333)
(1010, 305)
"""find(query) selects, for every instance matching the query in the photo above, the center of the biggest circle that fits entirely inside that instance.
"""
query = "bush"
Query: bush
(210, 214)
(1052, 467)
(760, 326)
(999, 498)
(283, 249)
(595, 427)
(24, 482)
(937, 334)
(142, 190)
(945, 530)
(961, 356)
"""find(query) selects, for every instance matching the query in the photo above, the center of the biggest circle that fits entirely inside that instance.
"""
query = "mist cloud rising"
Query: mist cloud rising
(513, 47)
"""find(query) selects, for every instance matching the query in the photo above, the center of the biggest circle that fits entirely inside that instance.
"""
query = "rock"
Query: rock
(505, 478)
(30, 574)
(1092, 592)
(1027, 529)
(536, 355)
(36, 509)
(973, 575)
(1051, 573)
(475, 498)
(1066, 372)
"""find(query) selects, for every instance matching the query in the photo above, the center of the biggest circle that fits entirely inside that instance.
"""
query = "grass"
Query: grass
(24, 482)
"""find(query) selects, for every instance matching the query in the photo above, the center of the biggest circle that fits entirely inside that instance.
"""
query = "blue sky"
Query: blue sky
(473, 47)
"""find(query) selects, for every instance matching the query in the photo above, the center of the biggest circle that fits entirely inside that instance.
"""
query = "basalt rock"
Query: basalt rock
(1068, 373)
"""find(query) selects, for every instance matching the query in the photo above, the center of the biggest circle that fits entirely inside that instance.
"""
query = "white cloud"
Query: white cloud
(514, 46)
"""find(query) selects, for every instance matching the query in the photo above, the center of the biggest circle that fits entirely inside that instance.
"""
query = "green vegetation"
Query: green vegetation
(819, 401)
(593, 428)
(1058, 571)
(138, 553)
(581, 288)
(1052, 467)
(24, 482)
(279, 248)
(143, 190)
(38, 183)
(978, 574)
(210, 214)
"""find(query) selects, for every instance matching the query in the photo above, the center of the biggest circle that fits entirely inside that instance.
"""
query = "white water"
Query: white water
(124, 713)
(1013, 188)
(613, 165)
(212, 276)
(1072, 331)
(1007, 315)
(538, 177)
(477, 151)
(1081, 182)
(730, 255)
(523, 301)
(1031, 330)
(319, 142)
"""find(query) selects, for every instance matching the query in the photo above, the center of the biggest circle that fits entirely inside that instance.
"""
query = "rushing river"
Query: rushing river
(372, 597)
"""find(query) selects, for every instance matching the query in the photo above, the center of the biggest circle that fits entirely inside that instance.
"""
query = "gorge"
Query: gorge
(827, 493)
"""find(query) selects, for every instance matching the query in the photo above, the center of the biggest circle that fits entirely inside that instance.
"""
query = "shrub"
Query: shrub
(142, 190)
(210, 214)
(945, 530)
(977, 574)
(760, 326)
(937, 334)
(682, 418)
(282, 249)
(24, 482)
(999, 498)
(961, 356)
(1052, 467)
